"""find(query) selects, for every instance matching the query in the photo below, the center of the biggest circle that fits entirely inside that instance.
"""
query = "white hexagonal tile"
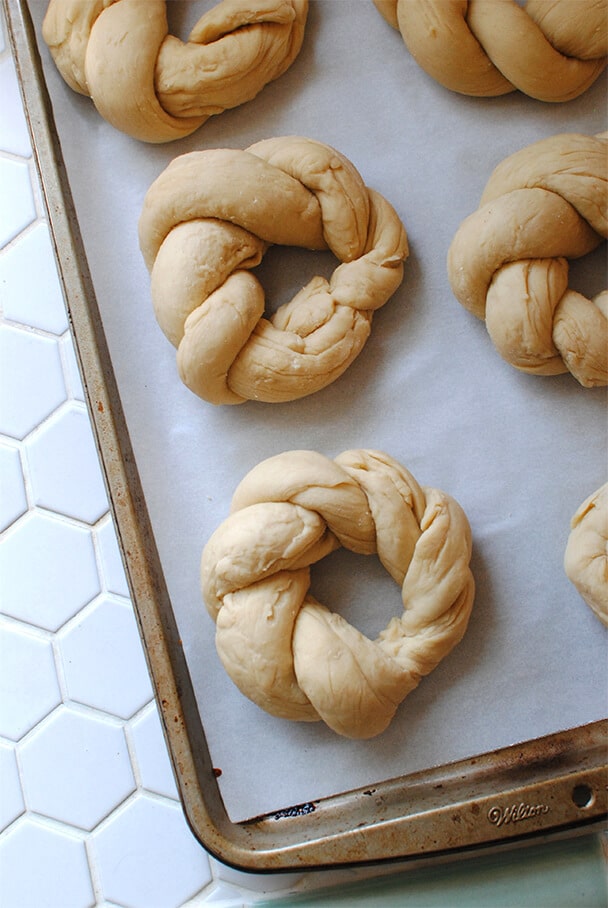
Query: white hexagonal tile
(113, 573)
(43, 866)
(48, 570)
(103, 661)
(17, 210)
(11, 800)
(76, 768)
(147, 857)
(29, 689)
(64, 466)
(72, 372)
(31, 379)
(30, 295)
(14, 135)
(13, 500)
(151, 754)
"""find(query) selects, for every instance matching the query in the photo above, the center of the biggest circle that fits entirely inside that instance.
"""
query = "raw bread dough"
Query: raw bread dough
(508, 262)
(586, 556)
(153, 86)
(552, 51)
(286, 651)
(209, 218)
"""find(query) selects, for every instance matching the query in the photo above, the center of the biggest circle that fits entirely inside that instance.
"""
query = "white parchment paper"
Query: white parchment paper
(518, 452)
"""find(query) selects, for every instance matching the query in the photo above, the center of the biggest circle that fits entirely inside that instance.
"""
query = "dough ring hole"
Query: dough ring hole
(182, 17)
(348, 582)
(284, 270)
(586, 274)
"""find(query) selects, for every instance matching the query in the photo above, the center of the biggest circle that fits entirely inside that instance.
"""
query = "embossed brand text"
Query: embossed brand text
(514, 813)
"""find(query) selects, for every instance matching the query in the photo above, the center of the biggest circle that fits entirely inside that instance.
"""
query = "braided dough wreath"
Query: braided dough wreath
(153, 86)
(586, 555)
(209, 218)
(551, 50)
(286, 651)
(508, 262)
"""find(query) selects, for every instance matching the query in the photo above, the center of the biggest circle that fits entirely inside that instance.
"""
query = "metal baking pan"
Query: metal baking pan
(553, 785)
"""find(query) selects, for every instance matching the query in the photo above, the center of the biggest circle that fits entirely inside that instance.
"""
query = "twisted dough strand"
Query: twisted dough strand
(286, 651)
(508, 262)
(552, 50)
(209, 218)
(157, 88)
(586, 555)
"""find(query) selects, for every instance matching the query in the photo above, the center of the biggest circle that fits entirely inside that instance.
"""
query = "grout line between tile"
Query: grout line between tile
(25, 627)
(59, 826)
(96, 884)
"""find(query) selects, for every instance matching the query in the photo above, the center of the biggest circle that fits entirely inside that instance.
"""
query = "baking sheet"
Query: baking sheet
(519, 453)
